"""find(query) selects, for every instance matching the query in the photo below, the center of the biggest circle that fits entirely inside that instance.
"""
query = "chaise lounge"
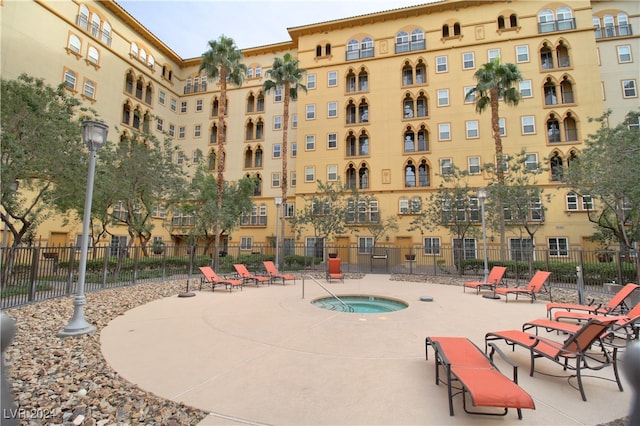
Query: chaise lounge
(535, 286)
(616, 304)
(210, 277)
(493, 280)
(465, 363)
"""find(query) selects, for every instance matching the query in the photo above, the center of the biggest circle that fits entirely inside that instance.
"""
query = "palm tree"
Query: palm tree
(496, 82)
(285, 74)
(222, 62)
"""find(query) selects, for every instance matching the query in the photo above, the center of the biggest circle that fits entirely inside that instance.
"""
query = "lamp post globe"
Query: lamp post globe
(94, 135)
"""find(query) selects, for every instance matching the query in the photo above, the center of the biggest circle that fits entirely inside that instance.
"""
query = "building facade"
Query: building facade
(385, 111)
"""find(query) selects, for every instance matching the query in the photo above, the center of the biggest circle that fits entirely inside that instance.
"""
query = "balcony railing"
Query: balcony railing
(563, 25)
(613, 31)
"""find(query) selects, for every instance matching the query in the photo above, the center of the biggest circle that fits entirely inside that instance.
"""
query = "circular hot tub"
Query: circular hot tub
(360, 304)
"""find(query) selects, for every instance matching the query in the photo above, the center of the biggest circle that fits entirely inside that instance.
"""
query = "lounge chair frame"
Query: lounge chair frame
(616, 305)
(495, 277)
(209, 277)
(274, 274)
(535, 286)
(248, 277)
(577, 347)
(334, 270)
(476, 374)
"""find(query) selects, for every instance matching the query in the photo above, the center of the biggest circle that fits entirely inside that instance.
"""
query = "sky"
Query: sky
(186, 26)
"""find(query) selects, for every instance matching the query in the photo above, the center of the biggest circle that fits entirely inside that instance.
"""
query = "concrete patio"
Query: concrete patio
(268, 356)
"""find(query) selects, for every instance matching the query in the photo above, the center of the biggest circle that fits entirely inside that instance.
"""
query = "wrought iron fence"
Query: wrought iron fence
(31, 274)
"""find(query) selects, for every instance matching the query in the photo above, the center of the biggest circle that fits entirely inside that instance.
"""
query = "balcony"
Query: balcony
(613, 31)
(553, 26)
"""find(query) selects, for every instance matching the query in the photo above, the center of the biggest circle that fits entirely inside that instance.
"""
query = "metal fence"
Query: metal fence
(31, 274)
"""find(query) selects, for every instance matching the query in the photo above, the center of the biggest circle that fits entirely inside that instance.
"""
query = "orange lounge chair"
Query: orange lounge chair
(272, 271)
(210, 277)
(615, 304)
(577, 346)
(247, 276)
(534, 287)
(493, 280)
(477, 375)
(334, 271)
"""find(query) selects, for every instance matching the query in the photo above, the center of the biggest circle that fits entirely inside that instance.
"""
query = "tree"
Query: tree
(380, 228)
(605, 174)
(495, 82)
(453, 206)
(325, 211)
(43, 157)
(522, 201)
(133, 192)
(203, 205)
(222, 62)
(285, 74)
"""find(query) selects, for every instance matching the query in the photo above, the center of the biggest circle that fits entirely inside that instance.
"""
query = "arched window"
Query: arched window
(148, 93)
(566, 91)
(258, 188)
(214, 108)
(95, 25)
(546, 57)
(513, 20)
(353, 50)
(501, 22)
(553, 129)
(556, 166)
(260, 129)
(363, 175)
(363, 80)
(83, 17)
(351, 145)
(143, 55)
(550, 94)
(367, 47)
(456, 29)
(75, 45)
(258, 158)
(573, 156)
(445, 31)
(407, 107)
(351, 81)
(318, 51)
(134, 49)
(423, 139)
(248, 134)
(570, 128)
(260, 102)
(251, 100)
(421, 105)
(407, 74)
(151, 61)
(546, 21)
(363, 111)
(350, 177)
(212, 160)
(146, 122)
(214, 134)
(363, 144)
(248, 158)
(350, 113)
(421, 72)
(136, 118)
(327, 49)
(623, 24)
(409, 140)
(562, 55)
(417, 39)
(128, 84)
(423, 173)
(70, 80)
(139, 88)
(410, 175)
(126, 113)
(402, 42)
(93, 55)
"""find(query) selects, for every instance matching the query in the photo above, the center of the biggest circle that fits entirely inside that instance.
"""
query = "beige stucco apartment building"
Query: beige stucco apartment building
(385, 109)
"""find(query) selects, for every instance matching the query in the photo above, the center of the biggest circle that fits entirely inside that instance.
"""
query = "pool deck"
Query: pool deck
(267, 356)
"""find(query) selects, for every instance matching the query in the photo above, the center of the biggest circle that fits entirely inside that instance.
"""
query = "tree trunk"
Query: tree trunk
(220, 158)
(284, 181)
(495, 127)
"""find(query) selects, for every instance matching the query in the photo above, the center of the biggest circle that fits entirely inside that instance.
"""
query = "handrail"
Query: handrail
(349, 308)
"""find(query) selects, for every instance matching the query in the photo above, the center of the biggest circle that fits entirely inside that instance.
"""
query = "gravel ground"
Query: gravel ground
(57, 381)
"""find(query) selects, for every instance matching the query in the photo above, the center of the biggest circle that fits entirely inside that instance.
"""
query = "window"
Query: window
(441, 64)
(199, 105)
(469, 99)
(311, 112)
(314, 247)
(310, 143)
(624, 54)
(503, 126)
(528, 125)
(162, 97)
(444, 131)
(172, 130)
(522, 53)
(472, 129)
(290, 210)
(558, 247)
(275, 180)
(332, 78)
(277, 95)
(181, 132)
(277, 122)
(493, 54)
(294, 150)
(197, 131)
(446, 166)
(180, 158)
(412, 206)
(93, 55)
(89, 89)
(332, 141)
(474, 165)
(531, 162)
(70, 79)
(525, 89)
(294, 179)
(443, 97)
(294, 121)
(365, 245)
(258, 71)
(311, 81)
(332, 172)
(174, 104)
(332, 109)
(183, 107)
(432, 246)
(468, 61)
(309, 174)
(246, 243)
(160, 124)
(629, 89)
(276, 150)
